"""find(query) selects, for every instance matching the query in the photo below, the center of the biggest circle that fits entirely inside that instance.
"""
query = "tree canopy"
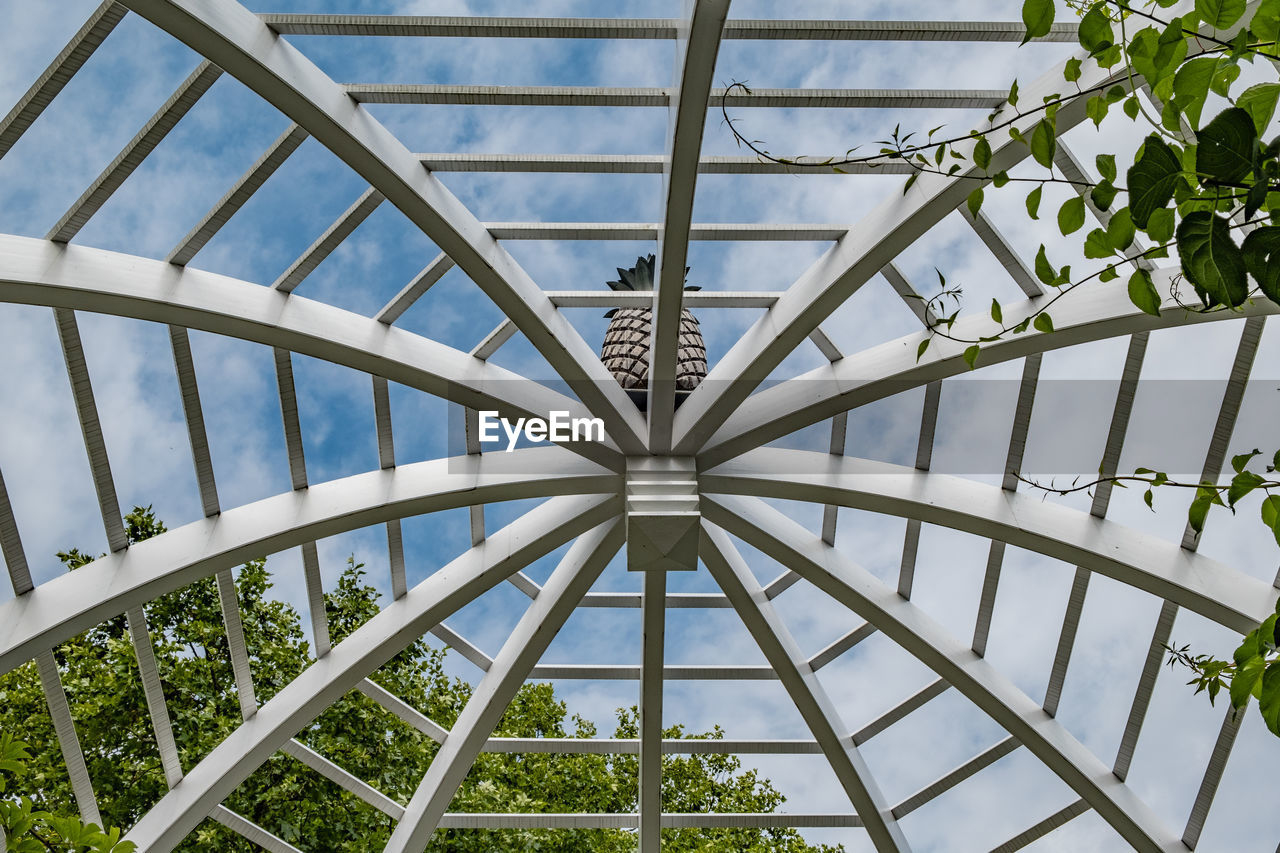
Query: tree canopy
(100, 674)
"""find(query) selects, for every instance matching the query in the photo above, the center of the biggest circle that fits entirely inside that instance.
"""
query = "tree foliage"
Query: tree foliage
(100, 675)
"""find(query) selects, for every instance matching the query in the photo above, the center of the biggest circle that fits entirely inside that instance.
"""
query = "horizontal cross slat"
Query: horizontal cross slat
(602, 96)
(652, 28)
(59, 72)
(649, 164)
(155, 130)
(237, 196)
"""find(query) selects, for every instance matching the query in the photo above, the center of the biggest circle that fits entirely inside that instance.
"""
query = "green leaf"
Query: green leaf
(1224, 75)
(1152, 179)
(1044, 269)
(1071, 72)
(1071, 215)
(1043, 323)
(1271, 516)
(1013, 94)
(999, 179)
(1247, 676)
(1132, 107)
(1226, 146)
(1191, 86)
(1037, 15)
(975, 201)
(1043, 143)
(1160, 225)
(996, 313)
(1103, 194)
(1241, 485)
(1260, 103)
(924, 345)
(1096, 109)
(1096, 245)
(982, 153)
(1094, 32)
(1033, 202)
(1220, 14)
(1261, 251)
(1199, 511)
(971, 355)
(1106, 164)
(1210, 259)
(1120, 230)
(1269, 698)
(1142, 293)
(1239, 461)
(1266, 21)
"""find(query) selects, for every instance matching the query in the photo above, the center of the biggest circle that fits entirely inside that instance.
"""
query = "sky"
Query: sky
(46, 470)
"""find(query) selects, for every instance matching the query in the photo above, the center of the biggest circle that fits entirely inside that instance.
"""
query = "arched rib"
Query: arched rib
(61, 608)
(826, 568)
(1147, 562)
(871, 244)
(38, 272)
(697, 45)
(801, 682)
(237, 41)
(529, 639)
(1086, 315)
(402, 622)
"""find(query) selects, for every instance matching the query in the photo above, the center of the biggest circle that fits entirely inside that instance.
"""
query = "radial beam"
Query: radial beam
(605, 96)
(528, 640)
(57, 610)
(411, 292)
(236, 40)
(332, 237)
(134, 152)
(1217, 592)
(64, 66)
(1086, 315)
(697, 46)
(400, 623)
(249, 830)
(875, 241)
(1215, 457)
(68, 741)
(37, 272)
(1125, 395)
(15, 556)
(95, 444)
(1004, 252)
(205, 230)
(733, 575)
(652, 28)
(782, 539)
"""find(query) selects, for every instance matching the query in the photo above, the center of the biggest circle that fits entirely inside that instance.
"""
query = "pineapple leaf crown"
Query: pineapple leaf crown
(639, 277)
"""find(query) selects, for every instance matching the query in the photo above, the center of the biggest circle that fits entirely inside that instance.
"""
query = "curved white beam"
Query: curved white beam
(826, 568)
(529, 639)
(871, 244)
(38, 272)
(801, 682)
(63, 607)
(1147, 562)
(697, 45)
(1088, 314)
(402, 622)
(236, 40)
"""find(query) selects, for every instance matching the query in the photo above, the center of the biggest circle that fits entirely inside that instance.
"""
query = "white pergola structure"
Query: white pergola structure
(712, 456)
